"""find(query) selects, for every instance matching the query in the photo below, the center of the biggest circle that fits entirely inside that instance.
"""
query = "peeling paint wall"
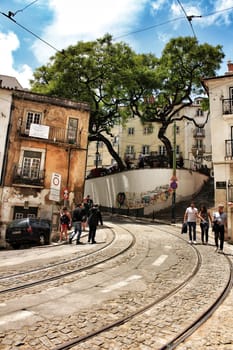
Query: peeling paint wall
(56, 156)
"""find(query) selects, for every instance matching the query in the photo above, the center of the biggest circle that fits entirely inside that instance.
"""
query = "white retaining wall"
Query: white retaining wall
(143, 187)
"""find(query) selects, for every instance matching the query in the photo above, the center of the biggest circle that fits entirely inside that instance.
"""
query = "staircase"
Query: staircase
(204, 197)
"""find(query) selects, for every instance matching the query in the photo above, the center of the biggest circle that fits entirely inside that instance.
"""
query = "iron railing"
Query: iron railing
(55, 134)
(28, 176)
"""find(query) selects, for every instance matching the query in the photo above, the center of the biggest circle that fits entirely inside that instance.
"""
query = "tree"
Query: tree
(105, 75)
(180, 70)
(117, 82)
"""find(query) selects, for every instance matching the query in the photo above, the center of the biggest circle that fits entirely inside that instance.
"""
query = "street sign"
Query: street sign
(174, 185)
(65, 193)
(55, 187)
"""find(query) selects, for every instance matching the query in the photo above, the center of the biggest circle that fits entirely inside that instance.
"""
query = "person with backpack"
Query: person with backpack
(65, 222)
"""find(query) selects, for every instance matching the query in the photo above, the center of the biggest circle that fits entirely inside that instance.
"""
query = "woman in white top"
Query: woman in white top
(191, 215)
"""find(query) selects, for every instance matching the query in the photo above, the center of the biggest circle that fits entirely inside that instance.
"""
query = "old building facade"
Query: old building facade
(220, 91)
(45, 156)
(135, 139)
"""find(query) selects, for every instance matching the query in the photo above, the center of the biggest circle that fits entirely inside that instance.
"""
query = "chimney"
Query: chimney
(230, 67)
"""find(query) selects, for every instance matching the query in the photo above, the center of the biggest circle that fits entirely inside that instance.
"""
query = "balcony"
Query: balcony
(28, 177)
(227, 106)
(229, 149)
(50, 134)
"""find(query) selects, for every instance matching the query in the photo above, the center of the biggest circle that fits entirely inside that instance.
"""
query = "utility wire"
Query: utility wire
(9, 16)
(173, 20)
(189, 18)
(148, 28)
(12, 14)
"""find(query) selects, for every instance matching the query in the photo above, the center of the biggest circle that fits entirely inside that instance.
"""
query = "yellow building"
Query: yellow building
(135, 139)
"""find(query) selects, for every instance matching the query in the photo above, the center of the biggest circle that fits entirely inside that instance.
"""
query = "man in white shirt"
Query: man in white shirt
(190, 216)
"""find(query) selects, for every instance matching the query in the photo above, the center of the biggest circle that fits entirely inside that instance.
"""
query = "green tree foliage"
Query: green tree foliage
(106, 75)
(183, 64)
(118, 83)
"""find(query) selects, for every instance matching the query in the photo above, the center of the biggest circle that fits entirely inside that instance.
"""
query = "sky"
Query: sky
(146, 25)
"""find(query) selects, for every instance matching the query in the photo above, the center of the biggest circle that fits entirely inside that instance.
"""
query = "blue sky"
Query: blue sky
(64, 22)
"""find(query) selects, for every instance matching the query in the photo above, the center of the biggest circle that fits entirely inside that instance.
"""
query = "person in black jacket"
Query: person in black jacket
(78, 216)
(93, 220)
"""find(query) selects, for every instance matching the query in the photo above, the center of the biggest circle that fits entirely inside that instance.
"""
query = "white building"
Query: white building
(220, 91)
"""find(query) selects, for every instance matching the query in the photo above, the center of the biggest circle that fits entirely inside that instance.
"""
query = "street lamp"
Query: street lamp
(97, 155)
(173, 184)
(94, 128)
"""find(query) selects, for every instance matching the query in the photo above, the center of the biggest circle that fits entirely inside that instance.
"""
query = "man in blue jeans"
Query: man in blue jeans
(191, 215)
(77, 217)
(219, 227)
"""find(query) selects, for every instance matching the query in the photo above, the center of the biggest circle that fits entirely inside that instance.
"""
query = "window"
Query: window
(199, 112)
(177, 129)
(130, 131)
(148, 130)
(177, 149)
(31, 164)
(162, 150)
(130, 149)
(72, 130)
(231, 94)
(146, 149)
(33, 118)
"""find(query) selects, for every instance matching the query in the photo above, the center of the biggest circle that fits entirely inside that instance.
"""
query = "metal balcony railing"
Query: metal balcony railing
(28, 176)
(55, 134)
(227, 106)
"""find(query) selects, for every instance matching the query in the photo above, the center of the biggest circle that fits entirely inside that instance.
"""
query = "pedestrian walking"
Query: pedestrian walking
(87, 205)
(206, 219)
(65, 222)
(219, 227)
(94, 219)
(78, 216)
(190, 217)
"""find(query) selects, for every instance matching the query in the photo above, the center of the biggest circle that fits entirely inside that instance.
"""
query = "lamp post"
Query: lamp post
(97, 155)
(174, 178)
(94, 128)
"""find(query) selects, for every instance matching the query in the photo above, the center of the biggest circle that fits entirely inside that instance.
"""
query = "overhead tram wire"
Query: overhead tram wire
(148, 28)
(10, 16)
(189, 18)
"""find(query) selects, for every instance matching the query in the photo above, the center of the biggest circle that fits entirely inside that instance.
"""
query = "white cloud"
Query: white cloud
(158, 4)
(9, 43)
(86, 20)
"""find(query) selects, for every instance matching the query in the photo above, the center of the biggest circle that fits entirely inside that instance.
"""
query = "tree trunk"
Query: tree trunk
(166, 142)
(114, 154)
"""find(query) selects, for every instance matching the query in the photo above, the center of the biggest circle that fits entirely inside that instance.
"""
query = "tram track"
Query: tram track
(89, 260)
(140, 310)
(181, 336)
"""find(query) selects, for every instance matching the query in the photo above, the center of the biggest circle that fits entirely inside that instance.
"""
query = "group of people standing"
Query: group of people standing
(85, 213)
(218, 222)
